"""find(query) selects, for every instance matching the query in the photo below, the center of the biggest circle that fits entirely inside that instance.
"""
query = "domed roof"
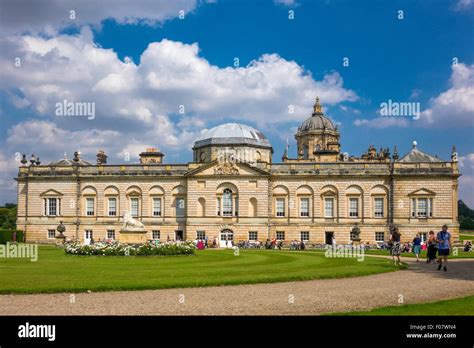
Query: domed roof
(232, 134)
(318, 121)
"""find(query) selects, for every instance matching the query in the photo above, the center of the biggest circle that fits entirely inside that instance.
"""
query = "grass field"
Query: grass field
(57, 272)
(458, 306)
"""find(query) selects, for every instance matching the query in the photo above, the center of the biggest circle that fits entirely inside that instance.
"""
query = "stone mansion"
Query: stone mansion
(232, 191)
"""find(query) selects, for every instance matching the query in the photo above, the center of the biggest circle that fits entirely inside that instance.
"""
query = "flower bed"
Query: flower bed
(118, 249)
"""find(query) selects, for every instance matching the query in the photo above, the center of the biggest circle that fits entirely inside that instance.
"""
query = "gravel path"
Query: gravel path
(420, 283)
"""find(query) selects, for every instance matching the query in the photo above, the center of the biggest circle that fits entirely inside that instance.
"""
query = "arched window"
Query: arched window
(227, 202)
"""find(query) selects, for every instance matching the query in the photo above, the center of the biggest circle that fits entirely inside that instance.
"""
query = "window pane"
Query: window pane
(110, 234)
(52, 206)
(328, 207)
(280, 207)
(305, 235)
(353, 207)
(227, 203)
(304, 207)
(378, 207)
(280, 235)
(253, 235)
(112, 206)
(89, 206)
(156, 206)
(422, 207)
(201, 234)
(155, 235)
(379, 236)
(134, 207)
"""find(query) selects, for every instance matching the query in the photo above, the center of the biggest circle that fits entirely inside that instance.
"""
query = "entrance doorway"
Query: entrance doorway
(87, 237)
(328, 238)
(178, 235)
(226, 238)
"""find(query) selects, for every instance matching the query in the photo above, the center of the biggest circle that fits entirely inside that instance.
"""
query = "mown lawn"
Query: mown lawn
(458, 306)
(57, 272)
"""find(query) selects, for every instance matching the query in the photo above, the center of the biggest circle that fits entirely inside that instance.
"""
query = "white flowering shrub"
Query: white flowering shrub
(119, 249)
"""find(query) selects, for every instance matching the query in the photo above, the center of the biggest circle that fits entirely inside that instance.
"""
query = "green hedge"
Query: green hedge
(7, 236)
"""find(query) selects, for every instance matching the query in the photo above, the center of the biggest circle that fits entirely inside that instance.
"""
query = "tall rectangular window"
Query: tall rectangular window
(280, 235)
(51, 206)
(253, 235)
(304, 207)
(111, 234)
(134, 206)
(156, 206)
(227, 203)
(155, 235)
(422, 207)
(89, 206)
(353, 207)
(329, 207)
(378, 207)
(304, 235)
(180, 206)
(280, 207)
(51, 234)
(218, 206)
(112, 206)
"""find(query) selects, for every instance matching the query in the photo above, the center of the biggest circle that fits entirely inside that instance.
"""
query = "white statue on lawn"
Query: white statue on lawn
(129, 223)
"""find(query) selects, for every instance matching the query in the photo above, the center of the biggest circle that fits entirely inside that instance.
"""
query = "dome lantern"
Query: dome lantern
(318, 137)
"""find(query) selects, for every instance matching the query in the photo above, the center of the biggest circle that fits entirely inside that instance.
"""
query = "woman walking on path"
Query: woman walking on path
(431, 255)
(395, 239)
(417, 246)
(444, 245)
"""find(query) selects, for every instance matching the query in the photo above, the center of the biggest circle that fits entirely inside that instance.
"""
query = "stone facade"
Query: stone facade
(302, 198)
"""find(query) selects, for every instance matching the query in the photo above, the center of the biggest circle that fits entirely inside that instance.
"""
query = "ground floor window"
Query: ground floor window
(253, 235)
(201, 234)
(304, 235)
(110, 234)
(280, 235)
(379, 237)
(51, 234)
(424, 237)
(155, 235)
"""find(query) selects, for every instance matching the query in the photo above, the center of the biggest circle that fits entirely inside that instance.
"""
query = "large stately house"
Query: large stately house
(232, 191)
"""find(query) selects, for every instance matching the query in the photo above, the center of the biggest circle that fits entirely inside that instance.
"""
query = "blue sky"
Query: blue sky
(190, 62)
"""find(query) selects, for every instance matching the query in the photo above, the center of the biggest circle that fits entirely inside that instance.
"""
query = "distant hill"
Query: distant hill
(466, 216)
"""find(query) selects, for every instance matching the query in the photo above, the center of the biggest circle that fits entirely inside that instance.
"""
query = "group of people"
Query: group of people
(439, 244)
(297, 245)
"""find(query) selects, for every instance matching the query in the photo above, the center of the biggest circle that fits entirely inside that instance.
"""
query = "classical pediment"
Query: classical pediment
(51, 193)
(226, 169)
(422, 192)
